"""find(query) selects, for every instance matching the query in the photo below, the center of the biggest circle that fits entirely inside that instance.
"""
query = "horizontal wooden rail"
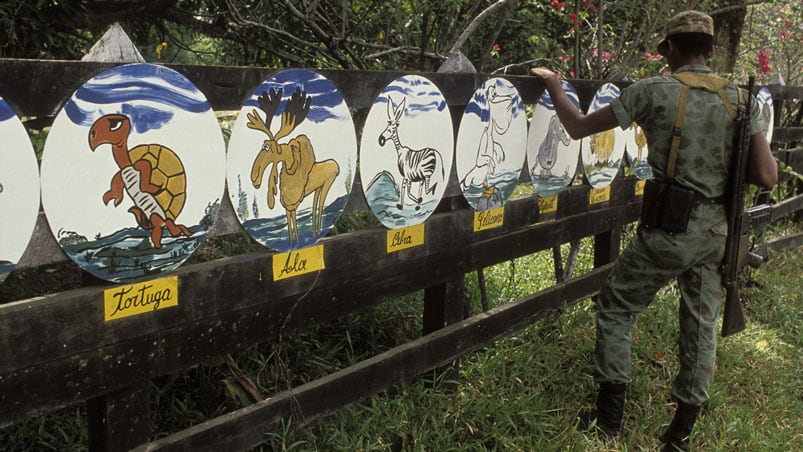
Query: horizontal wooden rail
(233, 303)
(246, 428)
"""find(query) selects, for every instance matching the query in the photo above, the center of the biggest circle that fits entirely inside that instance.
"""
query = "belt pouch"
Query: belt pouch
(652, 202)
(678, 203)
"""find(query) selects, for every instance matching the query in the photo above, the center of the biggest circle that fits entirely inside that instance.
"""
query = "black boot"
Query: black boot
(608, 412)
(677, 435)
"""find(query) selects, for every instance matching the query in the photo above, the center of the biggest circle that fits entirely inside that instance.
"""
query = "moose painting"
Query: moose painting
(294, 142)
(301, 175)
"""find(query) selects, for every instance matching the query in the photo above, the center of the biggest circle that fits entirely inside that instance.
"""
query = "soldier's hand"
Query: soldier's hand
(542, 73)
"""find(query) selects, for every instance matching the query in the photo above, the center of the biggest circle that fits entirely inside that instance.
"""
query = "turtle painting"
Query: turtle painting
(152, 175)
(133, 171)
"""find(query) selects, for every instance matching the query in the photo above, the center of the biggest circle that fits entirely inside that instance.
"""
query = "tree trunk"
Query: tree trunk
(728, 24)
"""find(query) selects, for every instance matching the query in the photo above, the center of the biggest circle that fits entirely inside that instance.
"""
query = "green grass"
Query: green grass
(521, 393)
(524, 392)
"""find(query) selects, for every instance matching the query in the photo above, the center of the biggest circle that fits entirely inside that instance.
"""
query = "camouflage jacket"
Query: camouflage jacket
(705, 151)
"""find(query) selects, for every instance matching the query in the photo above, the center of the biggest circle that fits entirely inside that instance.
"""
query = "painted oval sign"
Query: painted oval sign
(491, 144)
(637, 151)
(19, 189)
(133, 172)
(764, 100)
(602, 152)
(406, 151)
(552, 155)
(291, 160)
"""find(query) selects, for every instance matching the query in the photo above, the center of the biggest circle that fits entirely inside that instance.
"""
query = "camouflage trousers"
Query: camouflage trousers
(650, 261)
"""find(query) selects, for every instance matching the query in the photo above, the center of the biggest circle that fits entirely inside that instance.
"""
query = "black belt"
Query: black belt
(700, 199)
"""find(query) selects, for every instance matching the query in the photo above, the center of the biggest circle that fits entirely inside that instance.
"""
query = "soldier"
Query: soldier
(654, 257)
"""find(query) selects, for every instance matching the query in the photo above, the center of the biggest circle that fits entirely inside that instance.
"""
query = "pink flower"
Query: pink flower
(652, 57)
(764, 61)
(495, 51)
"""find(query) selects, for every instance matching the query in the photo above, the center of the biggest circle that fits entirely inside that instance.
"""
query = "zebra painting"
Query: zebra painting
(415, 165)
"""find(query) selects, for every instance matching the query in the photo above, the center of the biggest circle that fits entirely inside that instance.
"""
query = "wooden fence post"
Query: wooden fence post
(445, 304)
(120, 420)
(606, 247)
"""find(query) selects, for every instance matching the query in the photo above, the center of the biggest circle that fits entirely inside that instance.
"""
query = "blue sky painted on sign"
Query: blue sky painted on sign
(123, 89)
(604, 96)
(479, 102)
(325, 96)
(764, 95)
(422, 95)
(5, 110)
(546, 101)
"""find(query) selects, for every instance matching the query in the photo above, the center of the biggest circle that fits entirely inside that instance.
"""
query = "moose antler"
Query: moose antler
(294, 112)
(268, 102)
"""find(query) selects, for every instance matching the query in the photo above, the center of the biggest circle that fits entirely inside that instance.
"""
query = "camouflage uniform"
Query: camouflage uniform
(653, 257)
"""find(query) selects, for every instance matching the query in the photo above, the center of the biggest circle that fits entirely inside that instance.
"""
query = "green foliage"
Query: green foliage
(773, 29)
(396, 35)
(43, 29)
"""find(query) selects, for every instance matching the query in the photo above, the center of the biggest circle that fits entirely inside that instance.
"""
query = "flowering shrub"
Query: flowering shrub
(773, 42)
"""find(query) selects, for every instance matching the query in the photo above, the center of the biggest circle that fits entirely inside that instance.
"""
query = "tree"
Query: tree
(583, 38)
(359, 34)
(728, 23)
(772, 43)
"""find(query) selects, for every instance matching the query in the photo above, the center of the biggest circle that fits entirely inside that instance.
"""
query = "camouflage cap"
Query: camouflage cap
(689, 21)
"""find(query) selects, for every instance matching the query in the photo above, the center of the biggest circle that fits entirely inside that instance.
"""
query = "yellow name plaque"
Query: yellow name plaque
(640, 187)
(408, 237)
(135, 299)
(598, 195)
(548, 204)
(489, 219)
(298, 262)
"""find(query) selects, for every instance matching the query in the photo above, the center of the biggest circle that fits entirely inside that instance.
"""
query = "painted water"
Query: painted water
(383, 197)
(272, 232)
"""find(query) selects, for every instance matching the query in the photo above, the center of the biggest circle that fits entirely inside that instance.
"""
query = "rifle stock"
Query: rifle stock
(736, 245)
(733, 320)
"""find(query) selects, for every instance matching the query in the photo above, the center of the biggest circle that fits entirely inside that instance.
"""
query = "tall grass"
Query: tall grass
(521, 393)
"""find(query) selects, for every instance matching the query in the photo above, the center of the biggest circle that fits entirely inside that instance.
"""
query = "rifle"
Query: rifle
(740, 221)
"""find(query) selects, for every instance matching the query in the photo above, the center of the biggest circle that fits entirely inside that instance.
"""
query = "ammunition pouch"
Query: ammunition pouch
(666, 206)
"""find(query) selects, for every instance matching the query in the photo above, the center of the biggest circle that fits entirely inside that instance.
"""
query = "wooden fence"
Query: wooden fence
(57, 351)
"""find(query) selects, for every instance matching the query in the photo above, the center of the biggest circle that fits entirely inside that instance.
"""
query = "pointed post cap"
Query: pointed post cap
(114, 47)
